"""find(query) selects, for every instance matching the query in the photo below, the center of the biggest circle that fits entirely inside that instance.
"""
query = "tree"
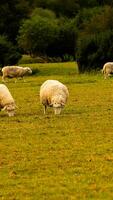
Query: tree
(37, 33)
(44, 34)
(94, 50)
(94, 46)
(11, 14)
(67, 8)
(100, 22)
(9, 54)
(65, 43)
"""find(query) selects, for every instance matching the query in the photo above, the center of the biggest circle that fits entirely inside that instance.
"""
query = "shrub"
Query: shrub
(94, 50)
(45, 35)
(36, 34)
(9, 54)
(65, 42)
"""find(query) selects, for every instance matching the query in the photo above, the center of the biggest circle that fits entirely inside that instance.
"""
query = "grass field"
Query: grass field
(65, 157)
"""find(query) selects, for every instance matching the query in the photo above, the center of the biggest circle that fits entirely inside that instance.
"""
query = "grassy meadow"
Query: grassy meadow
(65, 157)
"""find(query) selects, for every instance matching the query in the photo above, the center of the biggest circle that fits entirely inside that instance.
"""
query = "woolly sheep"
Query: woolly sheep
(15, 72)
(107, 69)
(7, 102)
(53, 94)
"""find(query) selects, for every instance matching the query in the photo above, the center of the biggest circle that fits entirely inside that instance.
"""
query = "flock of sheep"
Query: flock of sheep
(52, 92)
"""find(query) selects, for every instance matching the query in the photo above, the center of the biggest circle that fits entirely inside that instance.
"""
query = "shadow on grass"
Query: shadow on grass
(35, 71)
(85, 81)
(39, 115)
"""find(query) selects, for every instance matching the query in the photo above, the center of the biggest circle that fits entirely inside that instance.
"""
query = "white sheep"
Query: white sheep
(53, 94)
(107, 69)
(7, 102)
(15, 72)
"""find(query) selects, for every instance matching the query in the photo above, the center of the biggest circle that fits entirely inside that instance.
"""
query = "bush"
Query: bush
(26, 59)
(95, 43)
(36, 34)
(45, 35)
(94, 50)
(65, 42)
(9, 54)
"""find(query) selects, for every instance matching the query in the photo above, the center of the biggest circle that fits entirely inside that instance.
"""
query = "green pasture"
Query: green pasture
(65, 157)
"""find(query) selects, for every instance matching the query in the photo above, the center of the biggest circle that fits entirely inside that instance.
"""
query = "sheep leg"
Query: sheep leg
(109, 75)
(23, 79)
(15, 80)
(3, 79)
(45, 107)
(105, 77)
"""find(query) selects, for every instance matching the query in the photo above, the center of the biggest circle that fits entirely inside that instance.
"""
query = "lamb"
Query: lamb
(107, 69)
(7, 102)
(15, 71)
(53, 94)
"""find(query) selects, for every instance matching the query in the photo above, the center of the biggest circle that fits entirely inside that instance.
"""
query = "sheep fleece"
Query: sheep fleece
(14, 71)
(107, 69)
(5, 96)
(51, 88)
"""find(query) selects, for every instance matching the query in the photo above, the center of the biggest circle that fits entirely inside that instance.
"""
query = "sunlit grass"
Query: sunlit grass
(64, 157)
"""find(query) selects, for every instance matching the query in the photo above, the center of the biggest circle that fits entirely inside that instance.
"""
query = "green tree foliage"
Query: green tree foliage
(85, 15)
(101, 21)
(94, 45)
(65, 43)
(11, 14)
(94, 50)
(52, 27)
(44, 13)
(67, 8)
(9, 54)
(37, 33)
(88, 3)
(44, 34)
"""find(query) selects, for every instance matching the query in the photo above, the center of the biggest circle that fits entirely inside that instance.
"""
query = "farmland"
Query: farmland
(65, 157)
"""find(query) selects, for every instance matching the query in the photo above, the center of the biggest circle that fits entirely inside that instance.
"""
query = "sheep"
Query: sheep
(15, 72)
(53, 94)
(107, 69)
(7, 102)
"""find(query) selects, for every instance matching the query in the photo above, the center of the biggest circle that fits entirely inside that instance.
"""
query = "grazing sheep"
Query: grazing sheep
(7, 102)
(53, 94)
(15, 72)
(107, 69)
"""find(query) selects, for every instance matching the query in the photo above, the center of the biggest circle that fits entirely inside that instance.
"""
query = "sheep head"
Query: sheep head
(10, 109)
(28, 70)
(58, 103)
